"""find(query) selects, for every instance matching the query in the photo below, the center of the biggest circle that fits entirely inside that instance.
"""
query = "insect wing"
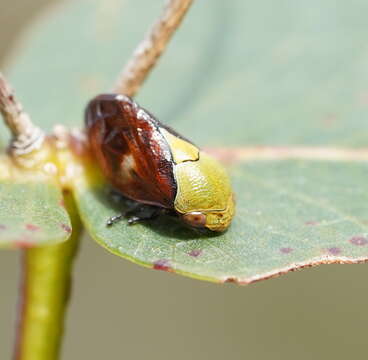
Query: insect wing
(131, 150)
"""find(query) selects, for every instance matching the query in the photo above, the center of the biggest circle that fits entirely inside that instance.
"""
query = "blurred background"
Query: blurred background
(122, 311)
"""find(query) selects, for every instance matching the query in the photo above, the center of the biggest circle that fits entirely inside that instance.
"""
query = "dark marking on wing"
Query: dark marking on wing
(131, 150)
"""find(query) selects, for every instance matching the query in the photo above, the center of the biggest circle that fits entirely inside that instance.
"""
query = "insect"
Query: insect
(152, 164)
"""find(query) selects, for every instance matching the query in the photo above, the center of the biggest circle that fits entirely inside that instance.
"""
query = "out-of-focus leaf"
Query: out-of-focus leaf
(32, 214)
(280, 73)
(286, 73)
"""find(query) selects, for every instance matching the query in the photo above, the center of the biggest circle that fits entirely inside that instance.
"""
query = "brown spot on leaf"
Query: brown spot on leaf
(195, 252)
(286, 250)
(232, 280)
(162, 264)
(66, 228)
(329, 120)
(66, 192)
(32, 227)
(334, 250)
(311, 223)
(359, 240)
(2, 227)
(24, 242)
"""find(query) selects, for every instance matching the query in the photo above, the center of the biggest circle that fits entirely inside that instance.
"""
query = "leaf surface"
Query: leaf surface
(289, 214)
(32, 214)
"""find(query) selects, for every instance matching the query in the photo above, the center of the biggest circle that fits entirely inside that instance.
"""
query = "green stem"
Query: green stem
(44, 295)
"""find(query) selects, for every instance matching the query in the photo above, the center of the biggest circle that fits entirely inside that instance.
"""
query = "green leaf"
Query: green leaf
(286, 73)
(32, 214)
(289, 214)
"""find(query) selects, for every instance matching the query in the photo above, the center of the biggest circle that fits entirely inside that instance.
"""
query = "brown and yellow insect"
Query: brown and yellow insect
(152, 164)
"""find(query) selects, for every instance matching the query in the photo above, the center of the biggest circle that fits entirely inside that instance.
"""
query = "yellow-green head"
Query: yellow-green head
(204, 196)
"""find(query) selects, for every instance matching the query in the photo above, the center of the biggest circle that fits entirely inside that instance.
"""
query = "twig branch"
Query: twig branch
(149, 50)
(26, 136)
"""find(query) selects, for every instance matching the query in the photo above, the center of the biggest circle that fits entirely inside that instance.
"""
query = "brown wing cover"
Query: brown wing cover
(130, 149)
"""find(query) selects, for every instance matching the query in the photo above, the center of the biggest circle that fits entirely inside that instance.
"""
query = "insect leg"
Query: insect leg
(143, 213)
(117, 197)
(136, 213)
(115, 219)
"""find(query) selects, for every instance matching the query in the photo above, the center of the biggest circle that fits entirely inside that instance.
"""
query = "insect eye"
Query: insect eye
(195, 219)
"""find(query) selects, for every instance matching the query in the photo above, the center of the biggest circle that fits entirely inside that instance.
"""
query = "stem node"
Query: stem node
(26, 137)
